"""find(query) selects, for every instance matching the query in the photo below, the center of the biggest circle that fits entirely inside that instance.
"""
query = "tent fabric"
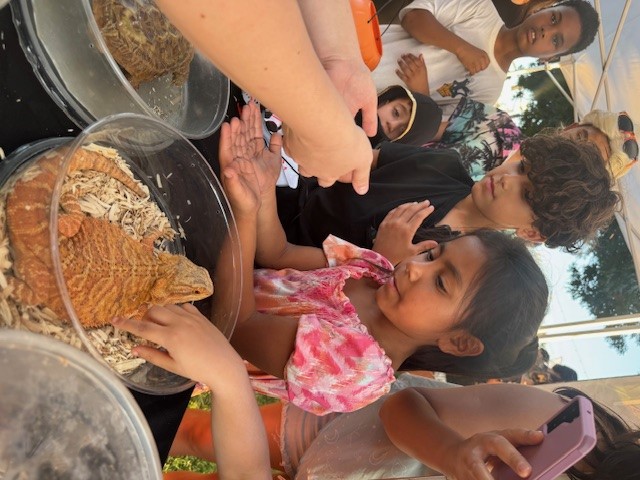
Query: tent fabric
(620, 92)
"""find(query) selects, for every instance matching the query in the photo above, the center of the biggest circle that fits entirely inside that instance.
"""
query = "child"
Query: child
(484, 136)
(403, 117)
(443, 429)
(353, 446)
(335, 336)
(468, 50)
(552, 190)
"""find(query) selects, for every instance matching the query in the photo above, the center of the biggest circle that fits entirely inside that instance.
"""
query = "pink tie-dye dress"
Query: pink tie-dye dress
(336, 365)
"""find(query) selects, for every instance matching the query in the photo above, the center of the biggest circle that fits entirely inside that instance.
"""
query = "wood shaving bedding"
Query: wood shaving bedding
(100, 196)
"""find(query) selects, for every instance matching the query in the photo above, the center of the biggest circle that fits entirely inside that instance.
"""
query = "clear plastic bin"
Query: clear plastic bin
(69, 56)
(180, 183)
(66, 416)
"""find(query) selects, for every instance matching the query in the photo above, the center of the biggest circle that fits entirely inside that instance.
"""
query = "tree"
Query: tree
(549, 107)
(604, 280)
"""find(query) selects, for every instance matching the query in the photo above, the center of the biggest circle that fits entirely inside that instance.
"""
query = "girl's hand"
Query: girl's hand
(395, 234)
(471, 458)
(413, 72)
(474, 59)
(249, 169)
(195, 348)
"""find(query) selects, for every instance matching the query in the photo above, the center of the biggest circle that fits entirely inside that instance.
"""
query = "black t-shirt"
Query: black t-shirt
(404, 174)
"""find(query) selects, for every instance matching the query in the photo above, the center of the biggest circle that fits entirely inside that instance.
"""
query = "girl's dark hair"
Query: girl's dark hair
(571, 197)
(589, 22)
(504, 308)
(616, 456)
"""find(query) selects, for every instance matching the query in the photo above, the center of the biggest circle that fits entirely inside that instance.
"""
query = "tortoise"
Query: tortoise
(142, 41)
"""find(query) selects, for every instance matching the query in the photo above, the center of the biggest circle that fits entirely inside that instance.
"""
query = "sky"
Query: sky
(593, 357)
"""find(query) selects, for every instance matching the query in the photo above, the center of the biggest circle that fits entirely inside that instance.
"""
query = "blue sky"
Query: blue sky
(593, 357)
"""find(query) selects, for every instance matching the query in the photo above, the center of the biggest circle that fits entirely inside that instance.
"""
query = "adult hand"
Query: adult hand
(472, 458)
(474, 59)
(353, 80)
(195, 348)
(351, 145)
(413, 72)
(394, 239)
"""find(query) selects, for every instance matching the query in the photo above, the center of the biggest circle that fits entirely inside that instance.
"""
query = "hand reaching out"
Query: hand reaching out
(474, 59)
(471, 458)
(249, 169)
(395, 235)
(195, 348)
(413, 72)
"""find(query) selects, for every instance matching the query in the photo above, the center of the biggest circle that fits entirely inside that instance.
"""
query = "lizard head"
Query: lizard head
(180, 281)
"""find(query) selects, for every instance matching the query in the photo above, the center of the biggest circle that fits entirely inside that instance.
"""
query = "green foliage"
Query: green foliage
(193, 464)
(604, 280)
(549, 108)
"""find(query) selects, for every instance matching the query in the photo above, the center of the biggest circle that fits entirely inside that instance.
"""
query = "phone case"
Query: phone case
(568, 436)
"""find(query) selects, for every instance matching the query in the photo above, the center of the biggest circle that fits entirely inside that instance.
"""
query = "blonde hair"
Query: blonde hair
(618, 162)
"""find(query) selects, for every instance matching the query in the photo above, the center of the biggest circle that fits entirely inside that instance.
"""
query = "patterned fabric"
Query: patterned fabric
(482, 134)
(336, 366)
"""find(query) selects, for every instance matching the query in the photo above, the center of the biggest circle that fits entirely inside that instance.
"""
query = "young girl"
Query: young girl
(333, 326)
(404, 433)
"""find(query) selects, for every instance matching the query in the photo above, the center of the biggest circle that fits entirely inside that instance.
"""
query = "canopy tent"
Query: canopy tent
(607, 76)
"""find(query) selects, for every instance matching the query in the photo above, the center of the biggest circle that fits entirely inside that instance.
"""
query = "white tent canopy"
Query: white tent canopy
(607, 76)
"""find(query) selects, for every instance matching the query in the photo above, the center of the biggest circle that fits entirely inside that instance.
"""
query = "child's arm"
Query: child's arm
(456, 430)
(423, 26)
(196, 349)
(261, 168)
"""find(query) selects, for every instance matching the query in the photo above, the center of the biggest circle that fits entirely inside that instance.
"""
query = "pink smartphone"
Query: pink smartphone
(568, 436)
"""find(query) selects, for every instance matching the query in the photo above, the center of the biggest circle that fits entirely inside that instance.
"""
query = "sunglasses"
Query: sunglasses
(630, 145)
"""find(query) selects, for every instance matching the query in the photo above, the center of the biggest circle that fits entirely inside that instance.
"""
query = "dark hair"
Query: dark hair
(504, 308)
(562, 373)
(589, 22)
(571, 197)
(616, 456)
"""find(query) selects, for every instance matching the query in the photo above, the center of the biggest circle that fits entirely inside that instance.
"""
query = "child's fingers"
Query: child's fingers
(145, 329)
(425, 245)
(275, 144)
(160, 358)
(225, 153)
(505, 448)
(418, 212)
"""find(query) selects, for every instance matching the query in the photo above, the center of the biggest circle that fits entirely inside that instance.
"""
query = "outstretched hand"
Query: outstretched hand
(195, 348)
(249, 169)
(413, 72)
(394, 239)
(472, 458)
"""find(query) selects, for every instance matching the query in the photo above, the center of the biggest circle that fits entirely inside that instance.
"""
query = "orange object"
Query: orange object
(365, 17)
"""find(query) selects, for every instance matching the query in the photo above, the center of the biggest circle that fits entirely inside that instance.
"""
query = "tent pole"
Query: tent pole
(614, 45)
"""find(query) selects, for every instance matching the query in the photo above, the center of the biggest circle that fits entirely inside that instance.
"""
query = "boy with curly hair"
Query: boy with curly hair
(553, 190)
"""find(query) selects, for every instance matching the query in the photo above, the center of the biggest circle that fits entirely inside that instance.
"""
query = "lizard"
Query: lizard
(107, 273)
